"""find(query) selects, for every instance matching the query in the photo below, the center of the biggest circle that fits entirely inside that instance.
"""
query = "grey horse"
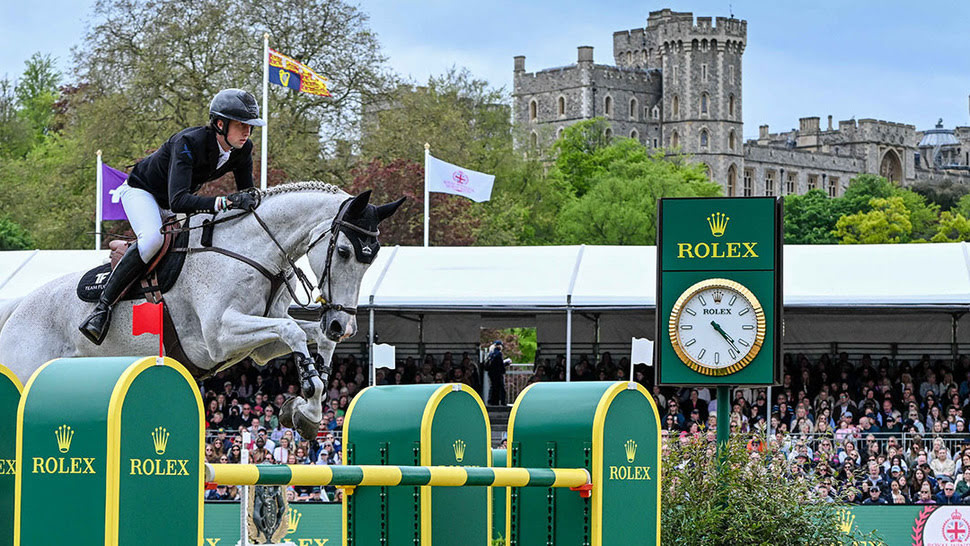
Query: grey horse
(219, 302)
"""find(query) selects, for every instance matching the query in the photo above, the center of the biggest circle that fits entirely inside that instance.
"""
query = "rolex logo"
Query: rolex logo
(718, 222)
(64, 435)
(160, 439)
(284, 77)
(718, 295)
(631, 450)
(293, 520)
(459, 450)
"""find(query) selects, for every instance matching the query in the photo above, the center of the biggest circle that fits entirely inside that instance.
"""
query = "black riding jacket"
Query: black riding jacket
(175, 171)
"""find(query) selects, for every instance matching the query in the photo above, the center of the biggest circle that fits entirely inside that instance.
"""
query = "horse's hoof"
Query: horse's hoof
(287, 411)
(307, 428)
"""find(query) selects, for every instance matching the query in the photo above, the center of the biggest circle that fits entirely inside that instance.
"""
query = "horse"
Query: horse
(223, 304)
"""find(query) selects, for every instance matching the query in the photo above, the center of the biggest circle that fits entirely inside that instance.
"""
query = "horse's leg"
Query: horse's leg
(236, 333)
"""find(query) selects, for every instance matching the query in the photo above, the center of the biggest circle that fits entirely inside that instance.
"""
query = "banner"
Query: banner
(443, 177)
(111, 179)
(286, 72)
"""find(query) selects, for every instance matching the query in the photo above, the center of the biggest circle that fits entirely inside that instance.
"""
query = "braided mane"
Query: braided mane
(310, 185)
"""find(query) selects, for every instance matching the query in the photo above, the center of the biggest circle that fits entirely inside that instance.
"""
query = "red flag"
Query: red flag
(146, 318)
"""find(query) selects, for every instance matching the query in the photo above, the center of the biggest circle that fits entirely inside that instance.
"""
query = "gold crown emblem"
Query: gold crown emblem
(64, 435)
(718, 295)
(459, 450)
(160, 439)
(292, 520)
(718, 223)
(631, 450)
(844, 520)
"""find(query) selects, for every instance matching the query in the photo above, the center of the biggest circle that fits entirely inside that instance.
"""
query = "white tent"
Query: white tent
(596, 297)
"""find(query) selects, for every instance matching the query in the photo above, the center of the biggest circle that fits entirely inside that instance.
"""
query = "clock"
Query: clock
(717, 327)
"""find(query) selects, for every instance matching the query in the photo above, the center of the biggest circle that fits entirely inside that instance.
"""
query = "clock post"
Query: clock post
(719, 295)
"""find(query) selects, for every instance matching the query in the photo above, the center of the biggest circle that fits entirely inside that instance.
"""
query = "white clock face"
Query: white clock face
(717, 327)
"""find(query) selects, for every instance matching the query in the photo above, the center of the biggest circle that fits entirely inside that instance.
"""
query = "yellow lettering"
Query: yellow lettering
(170, 467)
(749, 250)
(47, 465)
(714, 253)
(612, 472)
(38, 465)
(707, 250)
(305, 542)
(61, 469)
(75, 465)
(88, 463)
(733, 250)
(135, 467)
(183, 471)
(682, 248)
(149, 466)
(321, 541)
(212, 541)
(646, 472)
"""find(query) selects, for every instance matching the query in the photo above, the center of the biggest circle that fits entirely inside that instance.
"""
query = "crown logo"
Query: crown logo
(459, 450)
(160, 439)
(718, 295)
(844, 520)
(631, 450)
(64, 435)
(718, 223)
(293, 520)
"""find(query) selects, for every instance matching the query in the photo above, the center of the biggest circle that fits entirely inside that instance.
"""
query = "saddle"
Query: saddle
(159, 277)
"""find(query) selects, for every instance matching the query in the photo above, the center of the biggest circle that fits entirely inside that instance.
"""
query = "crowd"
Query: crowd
(875, 432)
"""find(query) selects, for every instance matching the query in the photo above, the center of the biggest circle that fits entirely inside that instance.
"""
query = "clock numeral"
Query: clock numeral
(690, 342)
(743, 342)
(690, 312)
(686, 327)
(733, 353)
(702, 300)
(701, 354)
(745, 312)
(747, 327)
(733, 299)
(717, 358)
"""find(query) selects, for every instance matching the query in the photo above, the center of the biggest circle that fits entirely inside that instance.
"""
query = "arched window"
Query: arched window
(704, 101)
(634, 110)
(608, 132)
(534, 140)
(533, 110)
(890, 167)
(732, 181)
(608, 106)
(731, 140)
(559, 133)
(656, 112)
(704, 138)
(562, 106)
(674, 140)
(676, 106)
(635, 135)
(731, 105)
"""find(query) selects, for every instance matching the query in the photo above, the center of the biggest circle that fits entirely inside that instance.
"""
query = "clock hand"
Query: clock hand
(724, 334)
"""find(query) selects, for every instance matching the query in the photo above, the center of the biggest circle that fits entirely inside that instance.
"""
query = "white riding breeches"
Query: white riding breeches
(145, 218)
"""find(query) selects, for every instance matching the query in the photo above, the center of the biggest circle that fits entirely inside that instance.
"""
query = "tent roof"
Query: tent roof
(605, 277)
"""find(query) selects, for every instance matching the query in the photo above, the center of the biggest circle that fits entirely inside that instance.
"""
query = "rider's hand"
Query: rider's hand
(242, 200)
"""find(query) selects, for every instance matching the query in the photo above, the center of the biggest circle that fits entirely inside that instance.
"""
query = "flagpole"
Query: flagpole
(99, 212)
(427, 208)
(264, 139)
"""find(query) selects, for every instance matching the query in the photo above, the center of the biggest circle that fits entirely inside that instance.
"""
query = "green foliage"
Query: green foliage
(624, 182)
(945, 193)
(36, 93)
(745, 500)
(578, 155)
(888, 221)
(953, 227)
(810, 218)
(13, 237)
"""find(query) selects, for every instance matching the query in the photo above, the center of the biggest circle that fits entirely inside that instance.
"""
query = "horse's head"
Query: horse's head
(340, 264)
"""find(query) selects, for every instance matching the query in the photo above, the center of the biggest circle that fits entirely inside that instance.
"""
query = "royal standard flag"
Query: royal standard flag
(286, 72)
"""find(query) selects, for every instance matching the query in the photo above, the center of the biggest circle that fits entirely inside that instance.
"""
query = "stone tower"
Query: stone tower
(701, 66)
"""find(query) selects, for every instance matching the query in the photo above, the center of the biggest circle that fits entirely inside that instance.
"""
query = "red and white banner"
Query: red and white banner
(443, 177)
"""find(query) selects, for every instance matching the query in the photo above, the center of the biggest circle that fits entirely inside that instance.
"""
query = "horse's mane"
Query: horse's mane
(310, 185)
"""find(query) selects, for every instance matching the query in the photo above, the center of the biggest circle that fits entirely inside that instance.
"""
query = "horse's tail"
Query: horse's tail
(7, 307)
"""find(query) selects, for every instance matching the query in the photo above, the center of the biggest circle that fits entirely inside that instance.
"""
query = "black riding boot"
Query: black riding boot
(95, 327)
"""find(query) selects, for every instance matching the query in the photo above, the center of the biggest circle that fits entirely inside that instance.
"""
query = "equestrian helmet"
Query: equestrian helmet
(235, 104)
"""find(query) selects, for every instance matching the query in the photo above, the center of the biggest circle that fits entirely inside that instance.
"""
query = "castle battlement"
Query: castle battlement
(669, 24)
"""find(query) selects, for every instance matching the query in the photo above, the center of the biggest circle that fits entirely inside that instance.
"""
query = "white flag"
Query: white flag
(443, 177)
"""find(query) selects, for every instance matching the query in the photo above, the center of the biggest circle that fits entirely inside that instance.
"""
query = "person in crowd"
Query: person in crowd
(947, 494)
(495, 365)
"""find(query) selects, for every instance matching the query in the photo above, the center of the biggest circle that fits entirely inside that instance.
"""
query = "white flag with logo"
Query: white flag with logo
(443, 177)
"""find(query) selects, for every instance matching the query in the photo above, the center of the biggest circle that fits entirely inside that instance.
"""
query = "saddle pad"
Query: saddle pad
(91, 285)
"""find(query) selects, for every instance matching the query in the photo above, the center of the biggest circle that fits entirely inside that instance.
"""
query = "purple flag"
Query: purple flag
(111, 179)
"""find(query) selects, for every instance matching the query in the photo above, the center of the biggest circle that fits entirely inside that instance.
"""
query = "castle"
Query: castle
(676, 85)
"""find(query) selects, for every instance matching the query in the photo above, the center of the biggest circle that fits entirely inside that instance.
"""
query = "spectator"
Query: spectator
(942, 464)
(875, 496)
(948, 495)
(925, 496)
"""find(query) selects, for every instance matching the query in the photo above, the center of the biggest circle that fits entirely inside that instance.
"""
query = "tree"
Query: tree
(624, 182)
(36, 93)
(810, 218)
(945, 193)
(13, 237)
(15, 135)
(579, 156)
(745, 499)
(953, 227)
(887, 222)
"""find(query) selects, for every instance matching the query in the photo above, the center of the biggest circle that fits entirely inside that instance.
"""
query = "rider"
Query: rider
(167, 180)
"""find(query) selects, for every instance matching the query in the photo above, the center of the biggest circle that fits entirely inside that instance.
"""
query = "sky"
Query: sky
(899, 61)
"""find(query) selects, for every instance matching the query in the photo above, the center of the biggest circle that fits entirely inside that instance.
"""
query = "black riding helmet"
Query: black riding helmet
(234, 104)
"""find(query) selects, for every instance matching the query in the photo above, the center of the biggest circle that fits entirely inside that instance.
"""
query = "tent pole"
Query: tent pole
(370, 346)
(569, 341)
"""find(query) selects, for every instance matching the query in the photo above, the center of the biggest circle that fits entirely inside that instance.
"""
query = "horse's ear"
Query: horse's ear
(386, 210)
(358, 205)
